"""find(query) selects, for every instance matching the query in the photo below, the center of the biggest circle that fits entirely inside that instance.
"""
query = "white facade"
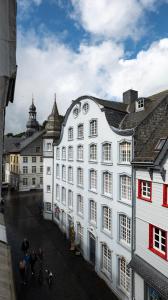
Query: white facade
(92, 191)
(151, 228)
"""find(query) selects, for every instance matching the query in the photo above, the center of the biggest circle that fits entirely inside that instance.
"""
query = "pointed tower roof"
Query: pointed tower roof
(53, 125)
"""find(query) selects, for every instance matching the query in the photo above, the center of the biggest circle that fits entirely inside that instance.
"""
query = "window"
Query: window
(33, 181)
(106, 151)
(93, 211)
(125, 152)
(125, 188)
(79, 204)
(37, 149)
(165, 195)
(57, 192)
(93, 152)
(48, 206)
(125, 229)
(70, 174)
(75, 112)
(140, 104)
(25, 181)
(70, 199)
(63, 195)
(106, 218)
(158, 241)
(70, 134)
(93, 128)
(57, 153)
(152, 294)
(25, 169)
(33, 169)
(93, 180)
(145, 190)
(57, 171)
(106, 260)
(80, 177)
(70, 153)
(33, 158)
(41, 180)
(56, 212)
(63, 153)
(107, 184)
(80, 152)
(25, 159)
(48, 189)
(80, 131)
(85, 108)
(124, 275)
(80, 235)
(48, 147)
(63, 173)
(48, 170)
(41, 159)
(41, 169)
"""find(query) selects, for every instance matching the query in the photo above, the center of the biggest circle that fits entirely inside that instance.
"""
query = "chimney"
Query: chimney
(130, 96)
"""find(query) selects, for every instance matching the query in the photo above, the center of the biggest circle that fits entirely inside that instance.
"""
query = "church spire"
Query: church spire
(53, 126)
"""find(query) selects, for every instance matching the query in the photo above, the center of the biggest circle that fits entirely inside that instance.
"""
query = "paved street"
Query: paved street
(74, 278)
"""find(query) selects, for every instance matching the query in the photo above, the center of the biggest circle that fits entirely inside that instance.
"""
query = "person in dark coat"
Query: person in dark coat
(22, 271)
(33, 259)
(25, 245)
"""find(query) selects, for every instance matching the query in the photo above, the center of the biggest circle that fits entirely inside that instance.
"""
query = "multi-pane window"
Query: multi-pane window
(25, 181)
(80, 131)
(63, 173)
(93, 152)
(79, 204)
(125, 229)
(33, 169)
(80, 152)
(41, 180)
(165, 195)
(41, 169)
(140, 104)
(107, 184)
(63, 153)
(48, 188)
(106, 260)
(106, 218)
(125, 152)
(33, 158)
(57, 171)
(25, 169)
(33, 181)
(158, 241)
(70, 174)
(145, 190)
(48, 170)
(63, 195)
(48, 206)
(80, 235)
(57, 192)
(70, 199)
(41, 159)
(70, 153)
(25, 159)
(70, 133)
(124, 275)
(125, 188)
(106, 152)
(37, 149)
(57, 153)
(93, 211)
(80, 176)
(93, 180)
(48, 147)
(93, 128)
(85, 108)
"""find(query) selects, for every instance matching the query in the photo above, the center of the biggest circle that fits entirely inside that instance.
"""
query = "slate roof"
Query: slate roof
(151, 276)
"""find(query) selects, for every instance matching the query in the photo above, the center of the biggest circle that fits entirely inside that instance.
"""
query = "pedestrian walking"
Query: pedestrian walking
(49, 278)
(22, 271)
(33, 259)
(25, 245)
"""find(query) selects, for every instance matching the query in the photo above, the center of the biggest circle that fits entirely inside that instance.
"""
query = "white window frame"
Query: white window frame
(63, 172)
(80, 235)
(48, 170)
(25, 181)
(80, 205)
(125, 188)
(107, 184)
(124, 275)
(48, 188)
(57, 171)
(80, 177)
(70, 199)
(93, 152)
(106, 152)
(93, 180)
(63, 153)
(125, 152)
(48, 146)
(93, 127)
(48, 206)
(70, 153)
(25, 159)
(93, 211)
(106, 260)
(70, 134)
(57, 191)
(106, 219)
(70, 174)
(63, 196)
(80, 152)
(159, 240)
(124, 229)
(25, 169)
(85, 108)
(80, 131)
(58, 153)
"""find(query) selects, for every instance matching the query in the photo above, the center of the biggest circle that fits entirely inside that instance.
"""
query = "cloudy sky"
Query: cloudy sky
(87, 47)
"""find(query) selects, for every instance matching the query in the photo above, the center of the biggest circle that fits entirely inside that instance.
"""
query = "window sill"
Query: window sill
(80, 160)
(125, 202)
(161, 255)
(107, 275)
(80, 138)
(64, 159)
(93, 136)
(70, 140)
(80, 215)
(70, 159)
(124, 163)
(93, 224)
(93, 161)
(145, 199)
(124, 245)
(123, 290)
(106, 163)
(107, 196)
(165, 205)
(92, 191)
(80, 186)
(70, 183)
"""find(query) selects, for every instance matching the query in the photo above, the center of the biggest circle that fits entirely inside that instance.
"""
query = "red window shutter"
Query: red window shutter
(151, 191)
(139, 188)
(165, 202)
(150, 236)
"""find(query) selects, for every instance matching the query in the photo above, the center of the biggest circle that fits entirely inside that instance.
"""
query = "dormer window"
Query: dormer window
(140, 104)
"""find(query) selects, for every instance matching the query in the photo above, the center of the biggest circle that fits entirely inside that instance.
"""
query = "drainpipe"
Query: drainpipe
(53, 185)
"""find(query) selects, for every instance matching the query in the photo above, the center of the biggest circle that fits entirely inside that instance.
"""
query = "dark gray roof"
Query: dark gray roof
(151, 276)
(30, 139)
(11, 144)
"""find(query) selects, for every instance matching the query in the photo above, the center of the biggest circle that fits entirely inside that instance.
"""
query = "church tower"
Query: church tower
(53, 130)
(32, 124)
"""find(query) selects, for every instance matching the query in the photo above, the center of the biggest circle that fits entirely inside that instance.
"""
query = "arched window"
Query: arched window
(125, 152)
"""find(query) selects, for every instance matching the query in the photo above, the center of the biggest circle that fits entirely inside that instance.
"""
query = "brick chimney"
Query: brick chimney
(130, 96)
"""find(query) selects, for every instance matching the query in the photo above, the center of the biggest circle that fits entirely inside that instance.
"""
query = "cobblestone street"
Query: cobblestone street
(74, 278)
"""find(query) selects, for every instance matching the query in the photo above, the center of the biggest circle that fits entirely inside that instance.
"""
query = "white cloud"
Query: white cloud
(99, 70)
(115, 19)
(25, 7)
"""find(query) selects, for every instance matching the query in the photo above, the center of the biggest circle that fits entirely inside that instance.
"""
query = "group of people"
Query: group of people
(32, 261)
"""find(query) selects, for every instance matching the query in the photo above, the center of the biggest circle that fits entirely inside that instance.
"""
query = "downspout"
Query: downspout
(53, 185)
